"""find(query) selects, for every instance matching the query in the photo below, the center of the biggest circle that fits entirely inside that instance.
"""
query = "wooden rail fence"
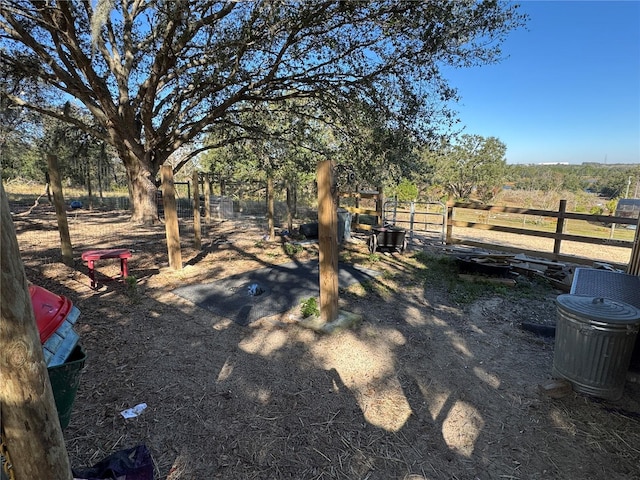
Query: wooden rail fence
(560, 235)
(357, 210)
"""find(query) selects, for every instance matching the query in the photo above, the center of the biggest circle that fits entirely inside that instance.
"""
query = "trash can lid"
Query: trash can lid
(599, 309)
(49, 309)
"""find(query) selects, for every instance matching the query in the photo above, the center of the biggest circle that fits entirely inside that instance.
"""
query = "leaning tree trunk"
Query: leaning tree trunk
(29, 418)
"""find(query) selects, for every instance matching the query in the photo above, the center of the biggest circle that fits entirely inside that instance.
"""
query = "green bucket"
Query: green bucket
(65, 380)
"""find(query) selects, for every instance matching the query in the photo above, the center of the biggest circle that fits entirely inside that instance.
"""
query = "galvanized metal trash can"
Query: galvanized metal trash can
(594, 340)
(344, 225)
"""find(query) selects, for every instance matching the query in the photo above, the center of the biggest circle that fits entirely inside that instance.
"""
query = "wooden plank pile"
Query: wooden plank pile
(505, 268)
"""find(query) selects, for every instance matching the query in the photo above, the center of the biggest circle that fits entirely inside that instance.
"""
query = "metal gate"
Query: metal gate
(423, 219)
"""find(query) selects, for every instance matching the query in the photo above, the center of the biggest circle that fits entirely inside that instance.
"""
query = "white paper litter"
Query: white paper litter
(133, 412)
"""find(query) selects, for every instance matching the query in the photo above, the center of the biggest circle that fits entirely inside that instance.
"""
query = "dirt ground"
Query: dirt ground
(424, 388)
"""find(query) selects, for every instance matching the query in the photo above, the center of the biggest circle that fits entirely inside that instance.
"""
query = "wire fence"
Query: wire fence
(107, 226)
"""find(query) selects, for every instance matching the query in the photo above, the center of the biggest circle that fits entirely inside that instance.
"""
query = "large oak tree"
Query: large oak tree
(157, 74)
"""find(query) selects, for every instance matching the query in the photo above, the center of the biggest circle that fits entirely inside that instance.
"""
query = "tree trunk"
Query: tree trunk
(270, 207)
(295, 200)
(142, 193)
(29, 418)
(61, 213)
(207, 199)
(48, 186)
(89, 192)
(197, 233)
(290, 201)
(99, 172)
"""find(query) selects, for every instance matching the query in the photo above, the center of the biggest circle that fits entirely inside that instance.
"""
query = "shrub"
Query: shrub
(292, 249)
(310, 307)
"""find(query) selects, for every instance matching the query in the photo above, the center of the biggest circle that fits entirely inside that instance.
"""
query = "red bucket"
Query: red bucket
(49, 309)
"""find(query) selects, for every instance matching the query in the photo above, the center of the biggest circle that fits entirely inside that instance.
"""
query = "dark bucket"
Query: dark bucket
(65, 380)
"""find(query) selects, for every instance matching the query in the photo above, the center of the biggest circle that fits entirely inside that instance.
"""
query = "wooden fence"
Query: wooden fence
(357, 210)
(559, 235)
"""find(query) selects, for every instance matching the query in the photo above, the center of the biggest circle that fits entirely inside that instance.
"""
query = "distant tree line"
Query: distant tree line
(609, 181)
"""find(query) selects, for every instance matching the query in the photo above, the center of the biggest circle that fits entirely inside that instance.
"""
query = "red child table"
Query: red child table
(91, 256)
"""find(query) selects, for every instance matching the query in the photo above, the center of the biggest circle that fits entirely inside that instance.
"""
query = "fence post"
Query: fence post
(380, 206)
(412, 214)
(356, 217)
(395, 210)
(328, 243)
(171, 218)
(449, 223)
(559, 227)
(634, 262)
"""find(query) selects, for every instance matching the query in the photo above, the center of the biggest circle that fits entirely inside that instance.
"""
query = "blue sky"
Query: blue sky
(569, 90)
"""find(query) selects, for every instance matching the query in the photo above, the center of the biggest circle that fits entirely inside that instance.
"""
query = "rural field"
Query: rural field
(438, 382)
